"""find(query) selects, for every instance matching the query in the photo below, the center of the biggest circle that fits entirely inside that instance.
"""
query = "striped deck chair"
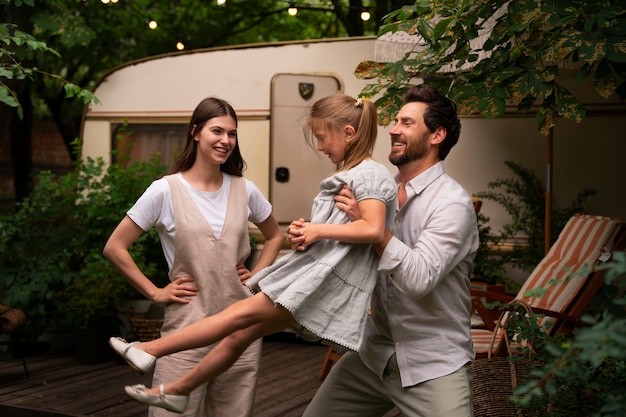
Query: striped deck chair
(584, 242)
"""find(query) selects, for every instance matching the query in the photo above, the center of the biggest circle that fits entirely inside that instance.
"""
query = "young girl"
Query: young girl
(323, 288)
(201, 213)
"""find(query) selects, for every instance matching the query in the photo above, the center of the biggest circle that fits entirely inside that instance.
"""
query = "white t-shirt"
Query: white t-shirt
(154, 209)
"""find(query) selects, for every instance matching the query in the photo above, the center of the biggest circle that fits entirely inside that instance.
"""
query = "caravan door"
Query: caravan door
(296, 169)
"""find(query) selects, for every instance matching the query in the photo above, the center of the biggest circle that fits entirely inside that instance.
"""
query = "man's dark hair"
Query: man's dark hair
(441, 112)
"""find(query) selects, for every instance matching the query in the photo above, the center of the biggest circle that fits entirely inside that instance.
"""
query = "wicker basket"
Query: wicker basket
(495, 379)
(144, 328)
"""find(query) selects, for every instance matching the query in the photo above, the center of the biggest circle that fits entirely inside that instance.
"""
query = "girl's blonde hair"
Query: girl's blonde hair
(336, 112)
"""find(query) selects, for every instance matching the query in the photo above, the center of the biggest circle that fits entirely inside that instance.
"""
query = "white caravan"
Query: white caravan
(271, 85)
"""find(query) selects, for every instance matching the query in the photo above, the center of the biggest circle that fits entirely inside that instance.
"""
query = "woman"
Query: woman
(201, 213)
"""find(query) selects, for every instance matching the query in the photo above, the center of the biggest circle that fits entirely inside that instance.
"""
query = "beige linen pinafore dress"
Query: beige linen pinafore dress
(211, 261)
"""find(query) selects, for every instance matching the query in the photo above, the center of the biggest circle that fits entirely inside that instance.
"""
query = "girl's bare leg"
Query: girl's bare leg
(226, 353)
(244, 313)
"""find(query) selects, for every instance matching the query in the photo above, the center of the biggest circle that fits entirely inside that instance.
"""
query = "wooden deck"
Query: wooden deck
(59, 386)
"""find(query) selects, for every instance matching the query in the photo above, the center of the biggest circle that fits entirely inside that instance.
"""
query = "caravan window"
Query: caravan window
(140, 142)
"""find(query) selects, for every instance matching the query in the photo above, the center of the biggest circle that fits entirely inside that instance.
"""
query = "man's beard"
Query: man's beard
(413, 151)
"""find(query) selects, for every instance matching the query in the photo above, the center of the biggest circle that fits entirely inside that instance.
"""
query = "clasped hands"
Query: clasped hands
(302, 234)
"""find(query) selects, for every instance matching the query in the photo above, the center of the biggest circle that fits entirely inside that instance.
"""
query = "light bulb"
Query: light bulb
(365, 15)
(152, 24)
(220, 2)
(105, 1)
(293, 10)
(180, 46)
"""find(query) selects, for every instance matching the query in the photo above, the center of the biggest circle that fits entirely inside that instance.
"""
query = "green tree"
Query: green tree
(93, 38)
(528, 44)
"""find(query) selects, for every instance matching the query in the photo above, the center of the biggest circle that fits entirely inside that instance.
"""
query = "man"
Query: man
(417, 346)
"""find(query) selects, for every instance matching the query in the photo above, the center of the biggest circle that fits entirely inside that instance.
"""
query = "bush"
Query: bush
(488, 263)
(51, 246)
(584, 373)
(523, 198)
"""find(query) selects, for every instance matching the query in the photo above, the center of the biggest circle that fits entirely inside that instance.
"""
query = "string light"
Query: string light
(293, 10)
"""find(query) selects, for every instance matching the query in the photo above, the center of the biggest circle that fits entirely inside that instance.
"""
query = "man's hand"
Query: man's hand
(244, 273)
(345, 201)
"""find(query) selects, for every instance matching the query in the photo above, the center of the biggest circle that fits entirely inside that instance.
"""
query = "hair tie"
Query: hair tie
(359, 102)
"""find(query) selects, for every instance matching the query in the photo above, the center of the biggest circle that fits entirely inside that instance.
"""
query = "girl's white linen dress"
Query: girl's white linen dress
(328, 286)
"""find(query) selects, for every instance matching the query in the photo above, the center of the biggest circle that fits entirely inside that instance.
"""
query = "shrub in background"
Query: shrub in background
(523, 199)
(51, 246)
(584, 374)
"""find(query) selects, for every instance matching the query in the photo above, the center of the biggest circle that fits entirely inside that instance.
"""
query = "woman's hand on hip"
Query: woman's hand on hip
(177, 291)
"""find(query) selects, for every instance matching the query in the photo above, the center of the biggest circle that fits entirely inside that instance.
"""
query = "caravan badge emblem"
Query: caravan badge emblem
(306, 90)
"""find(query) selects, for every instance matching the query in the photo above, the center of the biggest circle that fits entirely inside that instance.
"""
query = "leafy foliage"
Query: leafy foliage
(51, 247)
(523, 199)
(17, 46)
(93, 38)
(528, 45)
(488, 263)
(584, 374)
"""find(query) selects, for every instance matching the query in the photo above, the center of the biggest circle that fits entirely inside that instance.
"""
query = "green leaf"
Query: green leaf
(593, 48)
(569, 106)
(616, 49)
(441, 27)
(7, 98)
(491, 106)
(605, 85)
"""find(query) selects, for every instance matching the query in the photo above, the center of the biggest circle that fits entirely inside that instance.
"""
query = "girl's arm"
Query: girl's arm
(116, 251)
(369, 228)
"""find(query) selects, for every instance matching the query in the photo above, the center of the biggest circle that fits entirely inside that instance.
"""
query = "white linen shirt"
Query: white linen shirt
(421, 305)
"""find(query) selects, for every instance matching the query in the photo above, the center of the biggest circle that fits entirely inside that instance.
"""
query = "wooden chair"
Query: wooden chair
(566, 275)
(332, 356)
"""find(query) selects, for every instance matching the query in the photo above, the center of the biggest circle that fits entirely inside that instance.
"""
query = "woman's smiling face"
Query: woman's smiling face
(217, 139)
